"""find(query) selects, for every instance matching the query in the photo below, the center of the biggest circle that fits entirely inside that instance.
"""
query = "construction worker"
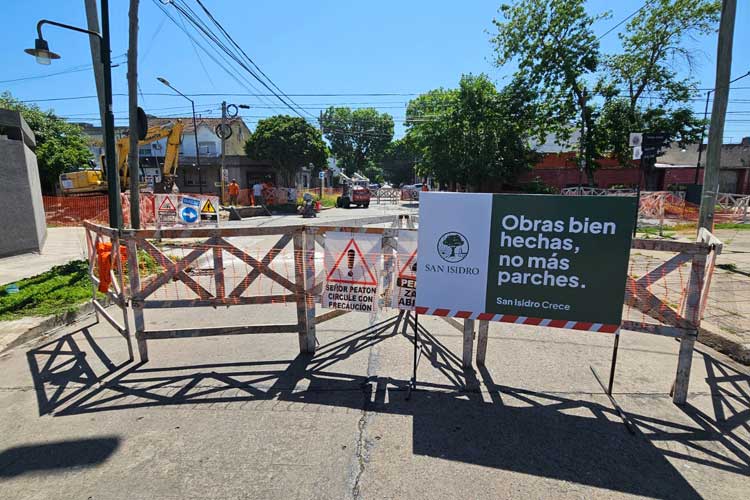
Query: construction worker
(234, 192)
(258, 194)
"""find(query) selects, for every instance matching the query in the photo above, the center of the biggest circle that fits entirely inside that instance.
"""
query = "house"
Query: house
(95, 137)
(201, 173)
(675, 169)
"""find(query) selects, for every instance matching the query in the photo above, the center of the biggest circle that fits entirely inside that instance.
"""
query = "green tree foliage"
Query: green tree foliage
(399, 161)
(60, 146)
(654, 44)
(453, 241)
(473, 135)
(554, 47)
(358, 138)
(290, 143)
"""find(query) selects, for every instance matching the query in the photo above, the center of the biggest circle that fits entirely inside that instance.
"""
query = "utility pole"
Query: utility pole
(133, 167)
(223, 147)
(718, 114)
(92, 21)
(113, 176)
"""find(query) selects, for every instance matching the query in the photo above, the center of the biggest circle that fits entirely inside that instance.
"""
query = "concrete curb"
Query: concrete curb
(47, 323)
(714, 337)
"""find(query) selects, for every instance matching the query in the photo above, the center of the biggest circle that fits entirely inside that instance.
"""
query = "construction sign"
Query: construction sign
(186, 210)
(166, 209)
(208, 209)
(405, 290)
(352, 263)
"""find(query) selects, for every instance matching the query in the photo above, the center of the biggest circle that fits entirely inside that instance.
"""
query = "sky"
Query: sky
(345, 48)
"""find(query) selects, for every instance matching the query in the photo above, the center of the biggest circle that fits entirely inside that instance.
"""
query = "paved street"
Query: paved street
(248, 417)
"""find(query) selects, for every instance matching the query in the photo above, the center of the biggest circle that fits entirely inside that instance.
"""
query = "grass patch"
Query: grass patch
(732, 225)
(328, 200)
(59, 290)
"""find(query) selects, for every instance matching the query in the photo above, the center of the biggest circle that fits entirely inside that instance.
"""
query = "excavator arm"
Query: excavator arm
(172, 131)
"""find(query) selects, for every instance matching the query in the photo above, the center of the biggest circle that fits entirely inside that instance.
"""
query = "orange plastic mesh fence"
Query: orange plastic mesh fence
(74, 210)
(261, 267)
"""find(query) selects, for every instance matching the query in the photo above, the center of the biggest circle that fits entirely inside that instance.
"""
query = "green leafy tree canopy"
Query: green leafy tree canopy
(358, 138)
(474, 135)
(290, 143)
(60, 146)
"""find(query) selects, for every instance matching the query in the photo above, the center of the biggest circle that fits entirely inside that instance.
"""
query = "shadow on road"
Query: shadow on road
(61, 370)
(504, 427)
(58, 455)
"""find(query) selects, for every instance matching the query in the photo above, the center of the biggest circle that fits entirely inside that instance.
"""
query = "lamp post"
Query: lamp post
(224, 132)
(703, 128)
(44, 56)
(195, 131)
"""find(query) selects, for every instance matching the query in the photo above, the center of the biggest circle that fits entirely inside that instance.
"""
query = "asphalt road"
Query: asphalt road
(249, 417)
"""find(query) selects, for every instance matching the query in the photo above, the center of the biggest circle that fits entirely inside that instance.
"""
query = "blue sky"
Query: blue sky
(306, 47)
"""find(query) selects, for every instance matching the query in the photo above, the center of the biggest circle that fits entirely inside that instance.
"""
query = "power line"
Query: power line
(199, 25)
(244, 82)
(229, 37)
(648, 2)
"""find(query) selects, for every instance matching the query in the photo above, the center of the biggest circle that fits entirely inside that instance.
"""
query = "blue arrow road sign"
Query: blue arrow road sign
(188, 214)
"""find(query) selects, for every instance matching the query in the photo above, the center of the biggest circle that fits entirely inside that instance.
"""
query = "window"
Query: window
(207, 148)
(191, 178)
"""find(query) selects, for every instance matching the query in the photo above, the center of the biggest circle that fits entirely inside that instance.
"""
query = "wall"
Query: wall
(22, 224)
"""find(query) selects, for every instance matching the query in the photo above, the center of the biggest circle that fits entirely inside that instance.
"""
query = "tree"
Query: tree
(358, 138)
(617, 119)
(399, 161)
(653, 44)
(289, 143)
(453, 241)
(555, 49)
(60, 146)
(474, 135)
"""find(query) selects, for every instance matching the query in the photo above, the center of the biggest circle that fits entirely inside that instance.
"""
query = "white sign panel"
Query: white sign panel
(405, 289)
(636, 138)
(189, 210)
(182, 210)
(166, 209)
(637, 152)
(458, 270)
(352, 264)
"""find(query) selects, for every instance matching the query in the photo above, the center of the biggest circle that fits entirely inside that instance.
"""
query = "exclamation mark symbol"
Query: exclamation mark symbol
(350, 262)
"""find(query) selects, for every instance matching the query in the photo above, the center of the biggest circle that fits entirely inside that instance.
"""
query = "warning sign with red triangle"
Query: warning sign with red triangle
(167, 205)
(409, 270)
(352, 267)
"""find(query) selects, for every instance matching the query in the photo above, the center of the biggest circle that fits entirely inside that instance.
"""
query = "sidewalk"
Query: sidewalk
(728, 307)
(63, 245)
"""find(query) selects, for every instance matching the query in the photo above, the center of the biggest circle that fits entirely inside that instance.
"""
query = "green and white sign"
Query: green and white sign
(531, 256)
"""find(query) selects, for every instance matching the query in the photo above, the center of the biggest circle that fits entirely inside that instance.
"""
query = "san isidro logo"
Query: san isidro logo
(452, 247)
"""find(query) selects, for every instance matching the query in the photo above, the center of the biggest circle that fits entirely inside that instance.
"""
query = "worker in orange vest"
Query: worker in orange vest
(234, 192)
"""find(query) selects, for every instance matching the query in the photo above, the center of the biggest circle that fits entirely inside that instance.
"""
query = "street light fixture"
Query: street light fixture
(195, 131)
(45, 56)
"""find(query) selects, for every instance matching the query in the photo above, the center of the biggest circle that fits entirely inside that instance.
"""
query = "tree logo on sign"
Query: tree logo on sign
(453, 247)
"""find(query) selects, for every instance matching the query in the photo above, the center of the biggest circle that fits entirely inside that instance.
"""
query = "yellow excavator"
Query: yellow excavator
(94, 181)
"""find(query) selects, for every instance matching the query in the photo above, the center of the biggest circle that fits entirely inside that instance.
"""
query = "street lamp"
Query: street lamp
(703, 128)
(224, 132)
(45, 56)
(195, 131)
